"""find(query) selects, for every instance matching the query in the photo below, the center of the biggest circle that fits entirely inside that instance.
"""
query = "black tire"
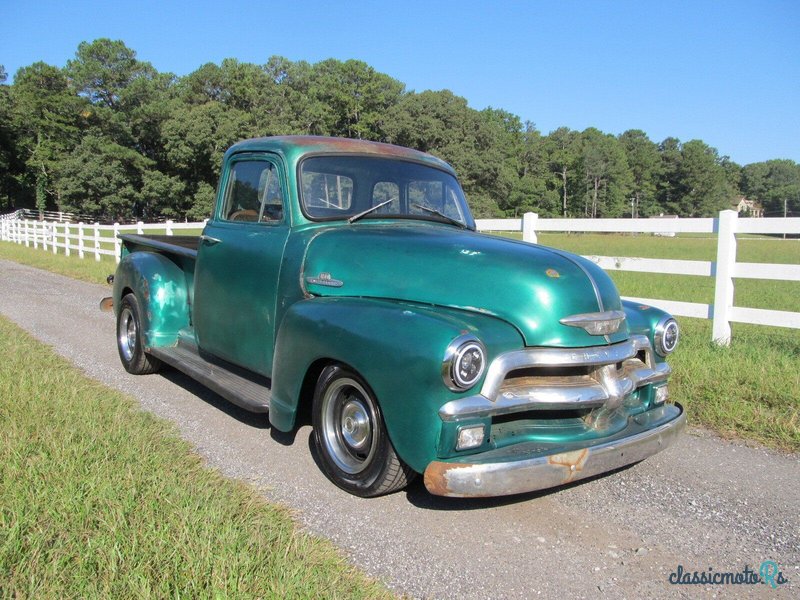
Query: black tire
(129, 339)
(351, 439)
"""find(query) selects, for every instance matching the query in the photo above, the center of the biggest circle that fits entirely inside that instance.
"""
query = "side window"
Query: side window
(253, 193)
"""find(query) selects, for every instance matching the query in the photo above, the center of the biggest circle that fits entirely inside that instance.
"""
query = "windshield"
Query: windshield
(356, 187)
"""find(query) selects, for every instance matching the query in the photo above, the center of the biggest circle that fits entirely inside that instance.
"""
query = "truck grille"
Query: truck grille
(542, 380)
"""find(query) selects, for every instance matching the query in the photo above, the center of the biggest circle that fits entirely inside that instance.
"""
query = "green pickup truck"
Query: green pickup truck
(344, 280)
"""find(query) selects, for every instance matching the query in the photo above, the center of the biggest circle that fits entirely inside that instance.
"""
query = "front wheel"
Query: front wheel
(129, 339)
(350, 436)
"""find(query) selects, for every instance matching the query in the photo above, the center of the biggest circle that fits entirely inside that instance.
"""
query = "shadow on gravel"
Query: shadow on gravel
(421, 498)
(254, 420)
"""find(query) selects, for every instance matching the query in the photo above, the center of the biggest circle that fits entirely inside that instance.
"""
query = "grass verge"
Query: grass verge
(100, 499)
(87, 269)
(750, 389)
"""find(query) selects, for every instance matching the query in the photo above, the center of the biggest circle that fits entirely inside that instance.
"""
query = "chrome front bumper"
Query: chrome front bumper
(526, 467)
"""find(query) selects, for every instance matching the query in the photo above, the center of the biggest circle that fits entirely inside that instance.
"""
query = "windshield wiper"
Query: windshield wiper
(364, 213)
(440, 214)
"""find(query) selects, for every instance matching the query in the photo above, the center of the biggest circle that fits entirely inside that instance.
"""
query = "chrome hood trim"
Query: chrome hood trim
(599, 323)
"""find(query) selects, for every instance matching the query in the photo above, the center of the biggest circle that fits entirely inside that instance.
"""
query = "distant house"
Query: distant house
(665, 233)
(749, 207)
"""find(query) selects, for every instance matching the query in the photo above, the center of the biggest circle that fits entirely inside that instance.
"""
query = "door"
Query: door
(238, 264)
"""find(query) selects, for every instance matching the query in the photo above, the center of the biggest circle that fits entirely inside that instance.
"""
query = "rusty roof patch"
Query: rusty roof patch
(312, 143)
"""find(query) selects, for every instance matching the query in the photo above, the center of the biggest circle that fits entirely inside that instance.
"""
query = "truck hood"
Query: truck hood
(529, 286)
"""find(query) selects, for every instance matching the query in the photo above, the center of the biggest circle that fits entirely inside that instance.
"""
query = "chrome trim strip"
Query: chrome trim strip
(502, 478)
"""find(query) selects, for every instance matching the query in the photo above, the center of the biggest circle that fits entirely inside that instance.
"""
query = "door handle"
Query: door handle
(207, 239)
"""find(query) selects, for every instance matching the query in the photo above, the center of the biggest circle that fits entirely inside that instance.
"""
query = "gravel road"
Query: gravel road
(703, 503)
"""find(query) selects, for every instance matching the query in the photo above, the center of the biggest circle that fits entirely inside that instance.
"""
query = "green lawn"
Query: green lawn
(99, 499)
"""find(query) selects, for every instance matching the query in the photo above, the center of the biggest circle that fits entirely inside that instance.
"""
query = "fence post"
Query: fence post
(55, 239)
(45, 235)
(66, 239)
(117, 243)
(169, 227)
(140, 227)
(81, 252)
(723, 273)
(97, 241)
(529, 227)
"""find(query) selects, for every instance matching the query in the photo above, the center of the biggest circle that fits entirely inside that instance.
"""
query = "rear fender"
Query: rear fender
(161, 289)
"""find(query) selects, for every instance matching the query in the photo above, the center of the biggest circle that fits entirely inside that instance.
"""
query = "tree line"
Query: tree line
(109, 137)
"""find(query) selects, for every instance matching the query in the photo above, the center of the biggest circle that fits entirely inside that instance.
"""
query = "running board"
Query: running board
(247, 390)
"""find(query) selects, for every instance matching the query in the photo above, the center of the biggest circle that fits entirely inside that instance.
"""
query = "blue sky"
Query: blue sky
(724, 72)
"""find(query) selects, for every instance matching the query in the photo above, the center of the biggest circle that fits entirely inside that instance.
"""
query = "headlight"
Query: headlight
(667, 334)
(464, 363)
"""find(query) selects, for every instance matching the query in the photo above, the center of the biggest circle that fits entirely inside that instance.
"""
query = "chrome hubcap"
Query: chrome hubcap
(126, 336)
(348, 419)
(355, 424)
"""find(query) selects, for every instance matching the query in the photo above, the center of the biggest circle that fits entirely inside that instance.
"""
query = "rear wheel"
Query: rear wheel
(350, 436)
(129, 339)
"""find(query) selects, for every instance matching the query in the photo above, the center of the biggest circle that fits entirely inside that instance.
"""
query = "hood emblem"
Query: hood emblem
(552, 273)
(600, 323)
(326, 280)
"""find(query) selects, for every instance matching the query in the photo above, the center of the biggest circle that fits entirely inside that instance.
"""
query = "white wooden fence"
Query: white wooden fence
(84, 239)
(98, 240)
(724, 270)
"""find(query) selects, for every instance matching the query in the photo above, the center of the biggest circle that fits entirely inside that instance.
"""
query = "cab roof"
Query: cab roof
(295, 147)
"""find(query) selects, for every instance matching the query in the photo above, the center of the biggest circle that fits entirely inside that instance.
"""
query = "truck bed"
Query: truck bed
(182, 245)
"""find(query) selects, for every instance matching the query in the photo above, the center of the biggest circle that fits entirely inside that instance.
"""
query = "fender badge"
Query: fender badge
(552, 273)
(325, 279)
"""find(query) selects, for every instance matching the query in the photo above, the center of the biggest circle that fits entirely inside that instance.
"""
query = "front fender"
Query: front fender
(397, 347)
(643, 319)
(160, 287)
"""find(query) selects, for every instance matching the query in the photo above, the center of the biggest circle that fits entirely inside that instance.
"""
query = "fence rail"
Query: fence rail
(97, 240)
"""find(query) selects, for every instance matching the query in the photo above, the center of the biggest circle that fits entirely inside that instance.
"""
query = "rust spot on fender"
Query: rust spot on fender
(572, 461)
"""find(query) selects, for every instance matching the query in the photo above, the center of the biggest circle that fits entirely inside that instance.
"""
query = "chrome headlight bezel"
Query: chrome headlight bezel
(459, 350)
(667, 335)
